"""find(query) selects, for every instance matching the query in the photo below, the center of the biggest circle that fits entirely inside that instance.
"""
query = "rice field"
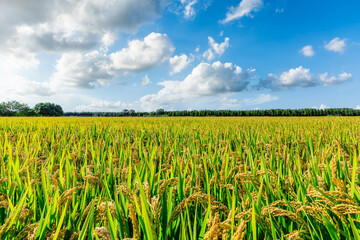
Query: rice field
(179, 178)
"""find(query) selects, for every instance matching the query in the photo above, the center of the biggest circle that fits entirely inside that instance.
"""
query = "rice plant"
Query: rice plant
(179, 178)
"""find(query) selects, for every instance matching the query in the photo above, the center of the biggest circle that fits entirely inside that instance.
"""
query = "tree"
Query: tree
(11, 108)
(160, 112)
(49, 109)
(125, 112)
(132, 112)
(27, 112)
(3, 110)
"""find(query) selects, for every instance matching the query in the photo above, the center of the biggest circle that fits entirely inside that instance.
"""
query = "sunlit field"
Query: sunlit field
(179, 178)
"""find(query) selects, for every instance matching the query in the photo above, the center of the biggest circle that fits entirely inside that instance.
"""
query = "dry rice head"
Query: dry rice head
(134, 221)
(240, 232)
(102, 233)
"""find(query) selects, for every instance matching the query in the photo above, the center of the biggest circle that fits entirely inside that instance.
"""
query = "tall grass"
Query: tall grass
(179, 178)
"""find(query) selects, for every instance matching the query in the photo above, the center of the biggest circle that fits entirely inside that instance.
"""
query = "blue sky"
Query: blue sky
(110, 55)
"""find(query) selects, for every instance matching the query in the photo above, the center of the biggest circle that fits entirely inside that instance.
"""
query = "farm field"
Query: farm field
(180, 178)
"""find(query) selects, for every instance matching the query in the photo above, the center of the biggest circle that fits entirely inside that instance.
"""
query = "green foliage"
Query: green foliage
(27, 112)
(226, 113)
(160, 112)
(49, 109)
(12, 108)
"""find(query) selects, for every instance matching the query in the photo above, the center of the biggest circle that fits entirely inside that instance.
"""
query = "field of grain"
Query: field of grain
(179, 178)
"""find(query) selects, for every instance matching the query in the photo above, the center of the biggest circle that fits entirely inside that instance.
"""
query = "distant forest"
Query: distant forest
(14, 108)
(224, 113)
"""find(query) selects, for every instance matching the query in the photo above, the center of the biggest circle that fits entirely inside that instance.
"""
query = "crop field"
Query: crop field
(179, 178)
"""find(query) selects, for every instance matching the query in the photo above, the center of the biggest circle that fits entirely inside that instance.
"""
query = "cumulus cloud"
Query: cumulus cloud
(83, 71)
(336, 45)
(104, 106)
(297, 77)
(227, 103)
(143, 55)
(95, 68)
(205, 80)
(301, 77)
(357, 107)
(178, 63)
(62, 26)
(245, 8)
(42, 38)
(330, 81)
(308, 51)
(216, 49)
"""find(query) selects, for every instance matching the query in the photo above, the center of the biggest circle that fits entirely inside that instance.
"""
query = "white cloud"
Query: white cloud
(107, 40)
(83, 71)
(329, 81)
(104, 106)
(33, 88)
(189, 11)
(262, 98)
(216, 49)
(17, 86)
(96, 68)
(188, 8)
(31, 93)
(279, 10)
(178, 63)
(15, 59)
(43, 38)
(143, 55)
(244, 8)
(227, 103)
(205, 80)
(296, 77)
(308, 51)
(301, 77)
(336, 45)
(30, 28)
(145, 80)
(357, 107)
(322, 107)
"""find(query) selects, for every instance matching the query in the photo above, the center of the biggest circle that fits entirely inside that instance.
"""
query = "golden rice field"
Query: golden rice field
(179, 178)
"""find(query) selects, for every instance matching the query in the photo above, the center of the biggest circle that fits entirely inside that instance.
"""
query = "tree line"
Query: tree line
(225, 113)
(14, 108)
